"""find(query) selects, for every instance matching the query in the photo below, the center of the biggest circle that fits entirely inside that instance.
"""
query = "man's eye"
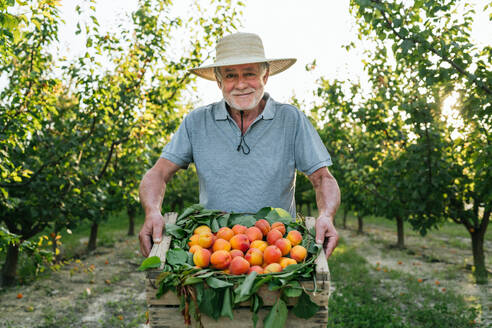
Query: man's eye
(229, 76)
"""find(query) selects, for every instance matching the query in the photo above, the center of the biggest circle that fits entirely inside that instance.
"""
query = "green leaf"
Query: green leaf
(189, 210)
(211, 302)
(293, 289)
(227, 304)
(175, 231)
(243, 291)
(305, 308)
(150, 263)
(279, 215)
(192, 281)
(217, 283)
(277, 315)
(176, 256)
(245, 220)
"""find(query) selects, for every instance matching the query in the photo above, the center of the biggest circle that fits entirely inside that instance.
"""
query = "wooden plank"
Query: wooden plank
(269, 297)
(160, 249)
(322, 270)
(165, 317)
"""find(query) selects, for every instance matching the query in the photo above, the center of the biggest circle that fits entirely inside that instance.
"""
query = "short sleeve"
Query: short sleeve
(179, 149)
(310, 152)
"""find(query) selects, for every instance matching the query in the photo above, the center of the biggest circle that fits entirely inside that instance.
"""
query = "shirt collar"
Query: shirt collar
(267, 114)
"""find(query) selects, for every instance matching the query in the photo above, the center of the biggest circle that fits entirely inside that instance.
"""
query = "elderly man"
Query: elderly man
(246, 148)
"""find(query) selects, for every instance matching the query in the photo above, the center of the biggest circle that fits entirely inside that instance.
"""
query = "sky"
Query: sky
(307, 30)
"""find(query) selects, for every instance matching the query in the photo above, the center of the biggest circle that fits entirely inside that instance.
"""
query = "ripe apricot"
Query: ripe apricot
(194, 248)
(254, 233)
(263, 225)
(286, 261)
(272, 254)
(272, 267)
(295, 237)
(239, 265)
(273, 236)
(225, 233)
(239, 229)
(202, 229)
(284, 245)
(220, 259)
(201, 258)
(221, 244)
(254, 256)
(193, 240)
(279, 226)
(260, 244)
(241, 242)
(236, 252)
(256, 268)
(206, 239)
(298, 253)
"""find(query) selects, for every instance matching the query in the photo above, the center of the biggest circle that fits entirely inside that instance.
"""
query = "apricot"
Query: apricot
(272, 267)
(239, 229)
(254, 233)
(298, 253)
(193, 240)
(239, 265)
(284, 245)
(256, 268)
(236, 252)
(194, 248)
(201, 258)
(263, 225)
(254, 256)
(279, 226)
(260, 244)
(206, 239)
(295, 237)
(273, 236)
(225, 233)
(221, 244)
(272, 254)
(241, 242)
(220, 259)
(202, 229)
(286, 261)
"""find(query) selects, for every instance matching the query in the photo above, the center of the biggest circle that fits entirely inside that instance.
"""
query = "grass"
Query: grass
(366, 297)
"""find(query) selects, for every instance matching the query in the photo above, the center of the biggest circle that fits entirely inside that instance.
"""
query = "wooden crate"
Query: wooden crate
(164, 312)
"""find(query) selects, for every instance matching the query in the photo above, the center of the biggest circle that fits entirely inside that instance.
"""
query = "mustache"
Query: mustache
(242, 92)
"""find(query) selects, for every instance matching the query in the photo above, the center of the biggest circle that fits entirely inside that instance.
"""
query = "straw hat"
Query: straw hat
(241, 48)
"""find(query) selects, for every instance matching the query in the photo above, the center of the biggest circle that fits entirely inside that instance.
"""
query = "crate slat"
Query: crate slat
(269, 297)
(165, 317)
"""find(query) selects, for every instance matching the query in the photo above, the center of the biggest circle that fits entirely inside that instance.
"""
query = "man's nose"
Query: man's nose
(241, 82)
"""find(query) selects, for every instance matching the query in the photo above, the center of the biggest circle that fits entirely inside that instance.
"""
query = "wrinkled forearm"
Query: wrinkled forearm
(152, 190)
(327, 192)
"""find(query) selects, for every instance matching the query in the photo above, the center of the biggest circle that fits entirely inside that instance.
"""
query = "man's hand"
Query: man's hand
(326, 234)
(151, 232)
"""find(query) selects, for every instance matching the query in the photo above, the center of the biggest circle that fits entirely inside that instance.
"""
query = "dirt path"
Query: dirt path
(101, 290)
(439, 263)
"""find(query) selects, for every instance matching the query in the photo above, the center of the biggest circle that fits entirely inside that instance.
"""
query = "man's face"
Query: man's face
(242, 85)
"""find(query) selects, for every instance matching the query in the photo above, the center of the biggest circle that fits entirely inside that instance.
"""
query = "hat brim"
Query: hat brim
(276, 66)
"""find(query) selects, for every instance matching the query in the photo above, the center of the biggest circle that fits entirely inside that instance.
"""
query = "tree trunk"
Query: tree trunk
(399, 227)
(131, 211)
(93, 237)
(477, 238)
(345, 212)
(360, 229)
(9, 269)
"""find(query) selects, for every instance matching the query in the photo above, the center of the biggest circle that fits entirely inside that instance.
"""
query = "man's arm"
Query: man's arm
(327, 200)
(152, 190)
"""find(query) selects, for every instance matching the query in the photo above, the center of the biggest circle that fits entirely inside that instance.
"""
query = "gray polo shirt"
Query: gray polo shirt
(281, 140)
